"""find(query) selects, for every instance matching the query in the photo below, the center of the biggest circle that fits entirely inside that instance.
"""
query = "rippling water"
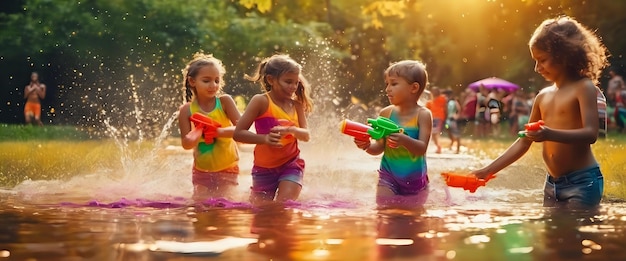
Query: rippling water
(145, 212)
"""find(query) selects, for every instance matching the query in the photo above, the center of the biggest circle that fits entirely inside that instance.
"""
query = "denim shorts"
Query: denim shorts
(266, 180)
(581, 189)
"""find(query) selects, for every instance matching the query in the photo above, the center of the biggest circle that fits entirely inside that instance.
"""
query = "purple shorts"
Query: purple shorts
(266, 180)
(402, 186)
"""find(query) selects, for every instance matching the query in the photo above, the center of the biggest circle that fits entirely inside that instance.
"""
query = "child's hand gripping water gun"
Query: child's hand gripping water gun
(383, 127)
(205, 125)
(286, 138)
(467, 182)
(531, 126)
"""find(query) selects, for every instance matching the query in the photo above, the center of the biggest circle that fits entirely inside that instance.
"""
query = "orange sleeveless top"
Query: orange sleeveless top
(271, 157)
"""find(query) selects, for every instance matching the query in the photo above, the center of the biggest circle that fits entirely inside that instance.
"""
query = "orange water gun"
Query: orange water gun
(286, 138)
(531, 126)
(467, 182)
(205, 125)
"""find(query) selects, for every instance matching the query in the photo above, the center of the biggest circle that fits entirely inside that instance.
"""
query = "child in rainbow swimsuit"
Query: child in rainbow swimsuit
(279, 116)
(403, 166)
(216, 159)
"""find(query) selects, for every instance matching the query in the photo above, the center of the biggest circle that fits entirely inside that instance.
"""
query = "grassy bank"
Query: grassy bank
(15, 132)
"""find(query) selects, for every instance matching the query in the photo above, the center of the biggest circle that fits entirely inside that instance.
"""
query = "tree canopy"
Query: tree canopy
(119, 62)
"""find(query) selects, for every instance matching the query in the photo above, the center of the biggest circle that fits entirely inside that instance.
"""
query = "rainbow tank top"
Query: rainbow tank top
(220, 155)
(399, 161)
(271, 157)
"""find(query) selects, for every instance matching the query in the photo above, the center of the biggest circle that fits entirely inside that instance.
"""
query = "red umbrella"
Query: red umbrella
(494, 83)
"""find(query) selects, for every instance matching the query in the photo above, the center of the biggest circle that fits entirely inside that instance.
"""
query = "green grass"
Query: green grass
(12, 132)
(59, 152)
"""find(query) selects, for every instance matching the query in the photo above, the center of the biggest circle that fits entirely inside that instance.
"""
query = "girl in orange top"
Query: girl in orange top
(216, 164)
(279, 118)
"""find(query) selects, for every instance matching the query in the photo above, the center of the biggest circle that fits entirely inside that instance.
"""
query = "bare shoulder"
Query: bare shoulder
(424, 112)
(226, 98)
(184, 108)
(386, 112)
(585, 86)
(259, 101)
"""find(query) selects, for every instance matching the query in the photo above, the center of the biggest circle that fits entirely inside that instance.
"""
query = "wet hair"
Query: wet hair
(410, 70)
(573, 45)
(276, 66)
(193, 67)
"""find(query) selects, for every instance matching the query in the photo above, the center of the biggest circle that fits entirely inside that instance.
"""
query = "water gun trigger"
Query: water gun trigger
(383, 127)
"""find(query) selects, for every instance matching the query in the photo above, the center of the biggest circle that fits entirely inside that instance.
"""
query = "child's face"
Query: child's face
(399, 89)
(207, 81)
(287, 83)
(546, 65)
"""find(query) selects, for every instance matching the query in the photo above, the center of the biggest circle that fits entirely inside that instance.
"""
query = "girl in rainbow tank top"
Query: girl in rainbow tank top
(403, 170)
(216, 158)
(279, 116)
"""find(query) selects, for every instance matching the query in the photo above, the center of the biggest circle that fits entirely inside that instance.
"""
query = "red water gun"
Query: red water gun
(355, 129)
(206, 126)
(467, 182)
(531, 126)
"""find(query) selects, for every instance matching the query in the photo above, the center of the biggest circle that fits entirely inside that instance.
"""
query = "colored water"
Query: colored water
(143, 211)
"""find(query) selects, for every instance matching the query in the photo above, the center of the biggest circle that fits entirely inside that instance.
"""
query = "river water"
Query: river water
(144, 211)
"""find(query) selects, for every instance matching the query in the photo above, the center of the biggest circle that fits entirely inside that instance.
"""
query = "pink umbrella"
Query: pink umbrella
(494, 83)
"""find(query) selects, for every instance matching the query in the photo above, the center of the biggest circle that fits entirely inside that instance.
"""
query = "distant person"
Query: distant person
(216, 163)
(453, 116)
(34, 93)
(437, 106)
(483, 117)
(494, 107)
(403, 169)
(468, 111)
(572, 57)
(615, 83)
(279, 116)
(520, 112)
(619, 113)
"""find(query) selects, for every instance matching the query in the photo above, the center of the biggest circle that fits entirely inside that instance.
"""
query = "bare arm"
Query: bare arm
(255, 108)
(41, 91)
(188, 139)
(230, 108)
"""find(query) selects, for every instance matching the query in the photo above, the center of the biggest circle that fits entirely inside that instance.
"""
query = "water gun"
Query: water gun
(531, 126)
(382, 127)
(288, 138)
(467, 182)
(355, 129)
(206, 126)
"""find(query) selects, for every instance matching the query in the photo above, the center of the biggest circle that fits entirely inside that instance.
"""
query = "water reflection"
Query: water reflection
(405, 234)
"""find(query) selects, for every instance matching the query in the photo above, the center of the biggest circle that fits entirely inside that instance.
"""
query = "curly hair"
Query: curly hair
(573, 45)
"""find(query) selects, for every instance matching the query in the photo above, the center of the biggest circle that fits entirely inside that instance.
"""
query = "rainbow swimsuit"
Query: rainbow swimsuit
(221, 155)
(400, 170)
